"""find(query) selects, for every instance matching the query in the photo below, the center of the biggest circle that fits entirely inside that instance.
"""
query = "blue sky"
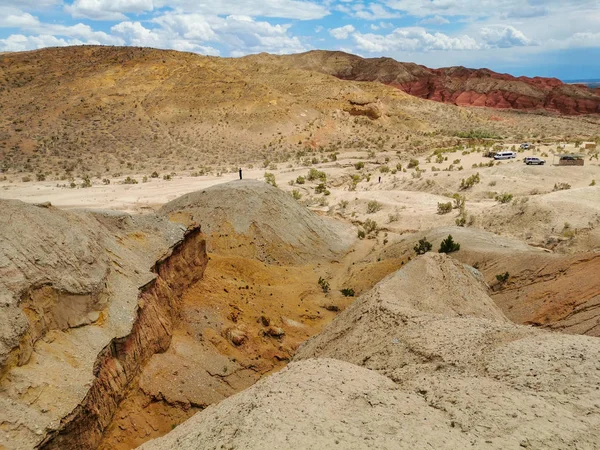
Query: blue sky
(559, 38)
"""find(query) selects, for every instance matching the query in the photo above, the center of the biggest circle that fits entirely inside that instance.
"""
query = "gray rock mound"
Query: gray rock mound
(254, 219)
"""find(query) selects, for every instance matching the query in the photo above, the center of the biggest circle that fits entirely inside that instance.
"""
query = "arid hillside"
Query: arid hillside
(457, 85)
(94, 113)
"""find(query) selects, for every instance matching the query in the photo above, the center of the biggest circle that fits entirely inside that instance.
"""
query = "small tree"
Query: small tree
(448, 245)
(423, 246)
(504, 198)
(324, 284)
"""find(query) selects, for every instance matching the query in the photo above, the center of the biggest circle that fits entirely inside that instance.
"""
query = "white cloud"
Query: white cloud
(435, 20)
(414, 39)
(342, 32)
(107, 9)
(286, 9)
(19, 42)
(504, 37)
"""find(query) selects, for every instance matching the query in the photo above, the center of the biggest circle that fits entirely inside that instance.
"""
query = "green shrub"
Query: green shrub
(40, 177)
(413, 163)
(502, 277)
(373, 206)
(296, 194)
(444, 208)
(324, 284)
(270, 179)
(359, 165)
(130, 180)
(347, 292)
(300, 180)
(370, 226)
(459, 201)
(469, 182)
(154, 174)
(448, 245)
(384, 169)
(561, 186)
(423, 246)
(504, 198)
(314, 174)
(593, 183)
(322, 189)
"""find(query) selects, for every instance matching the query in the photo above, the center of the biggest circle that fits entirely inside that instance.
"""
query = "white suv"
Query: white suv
(534, 160)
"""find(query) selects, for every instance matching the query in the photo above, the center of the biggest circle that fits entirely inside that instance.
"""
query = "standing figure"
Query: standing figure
(240, 173)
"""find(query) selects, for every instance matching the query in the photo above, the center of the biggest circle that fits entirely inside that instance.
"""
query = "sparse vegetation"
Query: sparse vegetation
(561, 186)
(502, 277)
(373, 206)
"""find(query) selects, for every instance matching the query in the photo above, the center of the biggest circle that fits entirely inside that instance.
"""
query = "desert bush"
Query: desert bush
(413, 163)
(469, 182)
(361, 234)
(26, 179)
(561, 186)
(347, 292)
(154, 174)
(373, 206)
(369, 226)
(314, 174)
(321, 188)
(343, 204)
(167, 177)
(459, 201)
(359, 165)
(502, 277)
(270, 179)
(86, 182)
(300, 180)
(593, 183)
(423, 246)
(130, 180)
(384, 169)
(448, 245)
(105, 181)
(324, 284)
(40, 177)
(444, 208)
(296, 194)
(504, 198)
(461, 220)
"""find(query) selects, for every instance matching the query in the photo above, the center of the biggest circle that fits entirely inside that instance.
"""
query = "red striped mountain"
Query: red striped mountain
(456, 85)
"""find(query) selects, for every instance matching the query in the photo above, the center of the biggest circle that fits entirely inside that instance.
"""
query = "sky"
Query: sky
(554, 38)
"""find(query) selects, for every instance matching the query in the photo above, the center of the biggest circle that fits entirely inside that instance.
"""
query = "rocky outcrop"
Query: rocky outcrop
(121, 360)
(456, 85)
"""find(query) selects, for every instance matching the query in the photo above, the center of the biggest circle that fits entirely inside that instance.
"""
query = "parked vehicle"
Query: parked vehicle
(525, 146)
(534, 160)
(505, 155)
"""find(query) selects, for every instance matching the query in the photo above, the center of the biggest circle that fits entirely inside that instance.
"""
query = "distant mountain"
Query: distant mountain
(592, 83)
(456, 85)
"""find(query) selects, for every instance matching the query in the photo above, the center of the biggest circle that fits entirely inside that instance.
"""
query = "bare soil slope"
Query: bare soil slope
(470, 381)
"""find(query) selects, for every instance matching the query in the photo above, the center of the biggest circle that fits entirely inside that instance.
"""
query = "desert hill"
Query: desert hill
(469, 380)
(99, 112)
(456, 85)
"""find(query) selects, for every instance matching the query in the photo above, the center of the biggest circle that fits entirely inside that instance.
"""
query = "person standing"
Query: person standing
(240, 173)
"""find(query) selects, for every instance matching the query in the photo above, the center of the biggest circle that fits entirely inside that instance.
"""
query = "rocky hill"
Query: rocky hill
(457, 85)
(100, 112)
